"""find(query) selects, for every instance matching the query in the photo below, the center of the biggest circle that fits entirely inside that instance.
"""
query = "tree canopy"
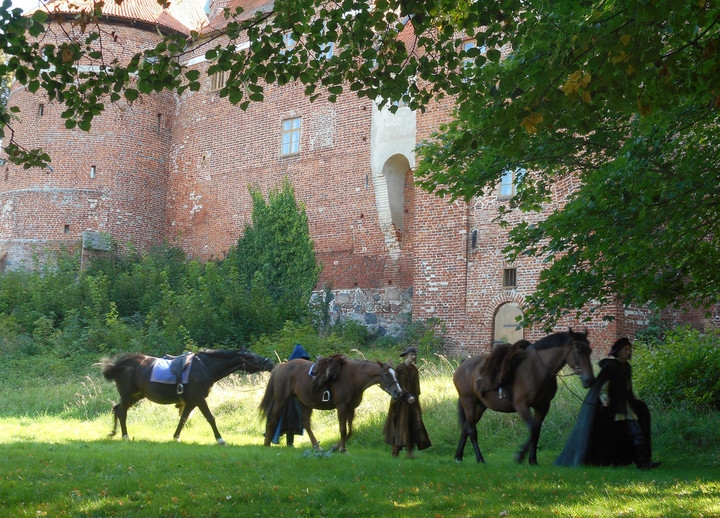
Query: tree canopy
(623, 96)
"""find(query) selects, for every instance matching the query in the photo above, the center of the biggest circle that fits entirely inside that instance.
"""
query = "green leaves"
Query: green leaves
(618, 100)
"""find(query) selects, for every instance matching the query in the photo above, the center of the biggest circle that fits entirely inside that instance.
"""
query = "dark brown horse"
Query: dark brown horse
(337, 380)
(531, 385)
(132, 373)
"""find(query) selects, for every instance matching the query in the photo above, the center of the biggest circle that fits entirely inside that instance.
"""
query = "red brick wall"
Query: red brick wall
(128, 145)
(186, 180)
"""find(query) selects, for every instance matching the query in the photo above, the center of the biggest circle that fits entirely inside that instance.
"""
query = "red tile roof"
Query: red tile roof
(250, 8)
(179, 15)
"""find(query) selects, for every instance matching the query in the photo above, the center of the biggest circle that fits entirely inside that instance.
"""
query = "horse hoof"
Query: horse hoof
(317, 447)
(126, 437)
(221, 442)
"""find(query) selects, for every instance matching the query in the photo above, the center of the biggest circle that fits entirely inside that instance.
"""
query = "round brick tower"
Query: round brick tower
(110, 180)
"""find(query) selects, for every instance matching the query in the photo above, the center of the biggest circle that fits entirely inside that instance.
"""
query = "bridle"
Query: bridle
(389, 387)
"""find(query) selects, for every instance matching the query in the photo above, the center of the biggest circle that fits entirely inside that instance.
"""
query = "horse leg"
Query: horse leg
(350, 418)
(524, 411)
(462, 418)
(202, 405)
(469, 413)
(342, 422)
(115, 420)
(120, 413)
(183, 419)
(540, 413)
(306, 414)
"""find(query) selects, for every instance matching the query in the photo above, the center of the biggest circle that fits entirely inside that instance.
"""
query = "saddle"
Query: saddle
(173, 370)
(499, 367)
(325, 371)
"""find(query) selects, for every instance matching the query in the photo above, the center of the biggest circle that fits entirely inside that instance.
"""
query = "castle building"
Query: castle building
(177, 168)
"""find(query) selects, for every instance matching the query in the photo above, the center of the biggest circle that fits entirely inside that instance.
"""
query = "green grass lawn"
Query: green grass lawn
(56, 459)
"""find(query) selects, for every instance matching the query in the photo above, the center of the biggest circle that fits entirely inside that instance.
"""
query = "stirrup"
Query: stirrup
(500, 393)
(180, 389)
(326, 396)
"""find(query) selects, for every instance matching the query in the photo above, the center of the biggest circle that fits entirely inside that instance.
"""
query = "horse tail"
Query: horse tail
(268, 399)
(111, 367)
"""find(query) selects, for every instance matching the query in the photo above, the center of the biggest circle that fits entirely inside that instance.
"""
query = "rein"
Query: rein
(561, 376)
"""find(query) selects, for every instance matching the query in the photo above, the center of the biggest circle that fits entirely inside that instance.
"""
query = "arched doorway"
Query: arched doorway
(506, 328)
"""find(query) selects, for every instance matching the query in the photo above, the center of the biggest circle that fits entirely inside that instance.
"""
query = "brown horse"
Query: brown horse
(132, 374)
(531, 385)
(335, 382)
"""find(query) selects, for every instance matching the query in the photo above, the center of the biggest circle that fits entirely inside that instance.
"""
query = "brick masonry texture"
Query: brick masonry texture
(177, 169)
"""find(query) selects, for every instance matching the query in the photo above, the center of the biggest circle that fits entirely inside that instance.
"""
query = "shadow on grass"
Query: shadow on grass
(143, 478)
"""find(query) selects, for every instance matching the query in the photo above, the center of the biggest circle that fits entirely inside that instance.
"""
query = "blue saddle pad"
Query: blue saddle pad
(161, 370)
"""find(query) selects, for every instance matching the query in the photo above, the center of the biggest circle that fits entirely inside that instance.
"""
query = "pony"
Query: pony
(132, 376)
(334, 382)
(525, 382)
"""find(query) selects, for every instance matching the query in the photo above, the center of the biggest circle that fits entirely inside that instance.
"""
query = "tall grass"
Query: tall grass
(58, 461)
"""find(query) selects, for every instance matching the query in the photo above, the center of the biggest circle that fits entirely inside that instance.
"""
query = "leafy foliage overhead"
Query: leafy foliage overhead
(623, 98)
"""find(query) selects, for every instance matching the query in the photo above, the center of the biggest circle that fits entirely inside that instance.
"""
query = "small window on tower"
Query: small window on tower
(291, 136)
(510, 278)
(41, 110)
(217, 80)
(93, 171)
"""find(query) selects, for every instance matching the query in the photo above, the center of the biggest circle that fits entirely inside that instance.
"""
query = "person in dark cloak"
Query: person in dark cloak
(290, 423)
(613, 426)
(404, 427)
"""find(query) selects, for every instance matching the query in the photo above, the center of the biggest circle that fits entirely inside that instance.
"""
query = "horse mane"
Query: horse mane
(220, 353)
(557, 339)
(328, 370)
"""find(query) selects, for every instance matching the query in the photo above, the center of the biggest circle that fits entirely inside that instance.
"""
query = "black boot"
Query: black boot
(641, 448)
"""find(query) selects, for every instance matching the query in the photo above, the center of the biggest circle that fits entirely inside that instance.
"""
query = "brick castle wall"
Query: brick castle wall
(178, 168)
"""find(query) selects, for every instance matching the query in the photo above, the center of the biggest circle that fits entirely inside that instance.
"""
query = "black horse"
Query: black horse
(132, 376)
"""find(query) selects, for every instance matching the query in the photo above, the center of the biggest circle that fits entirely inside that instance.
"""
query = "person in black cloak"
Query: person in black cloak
(613, 426)
(290, 423)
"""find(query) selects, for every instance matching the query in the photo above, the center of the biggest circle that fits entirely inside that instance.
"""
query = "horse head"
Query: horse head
(252, 362)
(388, 380)
(578, 357)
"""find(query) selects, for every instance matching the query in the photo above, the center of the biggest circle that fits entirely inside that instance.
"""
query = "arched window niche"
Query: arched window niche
(394, 172)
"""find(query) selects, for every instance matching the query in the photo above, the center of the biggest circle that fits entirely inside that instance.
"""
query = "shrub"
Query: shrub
(684, 368)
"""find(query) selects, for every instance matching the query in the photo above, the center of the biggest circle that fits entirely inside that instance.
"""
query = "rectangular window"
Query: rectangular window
(510, 278)
(327, 49)
(327, 52)
(468, 62)
(291, 136)
(289, 42)
(217, 80)
(507, 184)
(41, 110)
(509, 181)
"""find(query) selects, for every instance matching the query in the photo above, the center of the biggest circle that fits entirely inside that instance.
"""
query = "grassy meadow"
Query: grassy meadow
(57, 460)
